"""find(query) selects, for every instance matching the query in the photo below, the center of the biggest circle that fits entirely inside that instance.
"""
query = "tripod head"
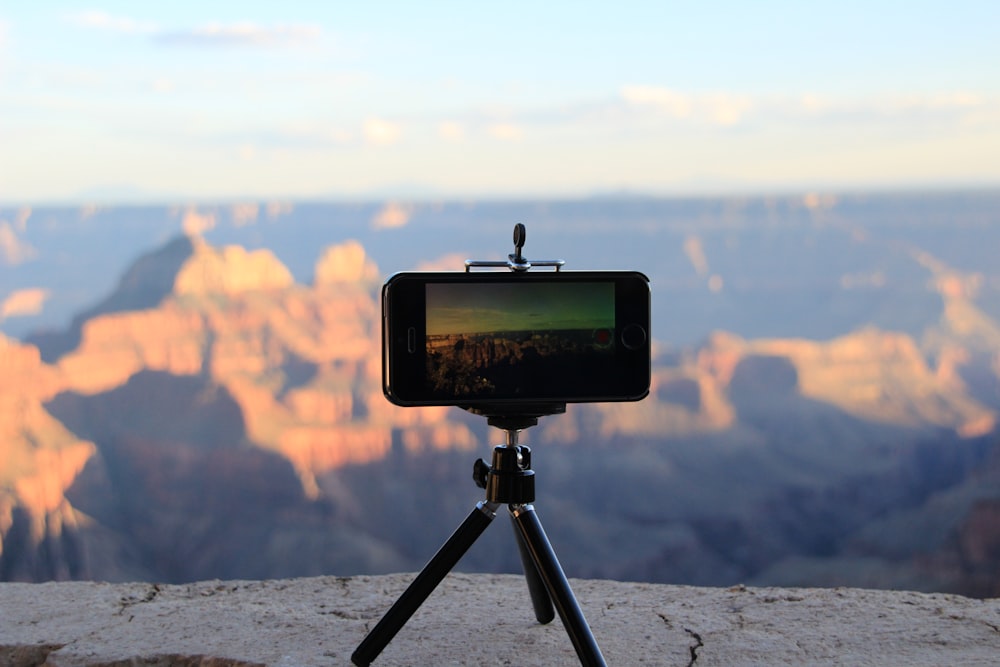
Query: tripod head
(510, 479)
(515, 417)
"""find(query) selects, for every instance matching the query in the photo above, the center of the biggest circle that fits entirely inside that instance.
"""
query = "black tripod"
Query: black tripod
(508, 480)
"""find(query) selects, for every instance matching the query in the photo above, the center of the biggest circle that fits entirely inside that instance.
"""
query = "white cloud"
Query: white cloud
(239, 34)
(381, 132)
(668, 101)
(725, 109)
(162, 85)
(451, 131)
(895, 105)
(244, 34)
(716, 108)
(247, 152)
(99, 20)
(506, 132)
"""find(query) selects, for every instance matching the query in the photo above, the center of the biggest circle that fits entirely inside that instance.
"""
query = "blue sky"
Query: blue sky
(236, 100)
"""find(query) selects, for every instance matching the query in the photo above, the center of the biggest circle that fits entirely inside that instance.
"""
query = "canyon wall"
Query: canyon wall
(212, 418)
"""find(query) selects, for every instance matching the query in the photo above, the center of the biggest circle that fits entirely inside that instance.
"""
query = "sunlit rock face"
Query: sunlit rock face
(231, 270)
(209, 374)
(345, 263)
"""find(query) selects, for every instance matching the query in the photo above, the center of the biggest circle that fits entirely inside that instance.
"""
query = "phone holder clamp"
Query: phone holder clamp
(515, 261)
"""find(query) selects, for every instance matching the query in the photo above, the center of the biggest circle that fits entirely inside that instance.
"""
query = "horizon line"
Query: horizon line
(610, 194)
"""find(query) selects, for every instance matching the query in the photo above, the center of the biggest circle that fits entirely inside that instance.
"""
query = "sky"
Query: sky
(460, 308)
(124, 101)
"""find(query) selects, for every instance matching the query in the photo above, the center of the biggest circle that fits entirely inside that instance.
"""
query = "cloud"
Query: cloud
(668, 101)
(451, 131)
(724, 109)
(162, 85)
(381, 132)
(506, 131)
(243, 34)
(99, 20)
(23, 302)
(247, 152)
(716, 108)
(895, 105)
(239, 34)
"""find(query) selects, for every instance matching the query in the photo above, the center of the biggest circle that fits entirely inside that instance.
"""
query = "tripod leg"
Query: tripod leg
(440, 565)
(540, 599)
(558, 586)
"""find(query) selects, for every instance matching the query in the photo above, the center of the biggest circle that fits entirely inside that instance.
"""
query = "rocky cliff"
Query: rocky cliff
(212, 418)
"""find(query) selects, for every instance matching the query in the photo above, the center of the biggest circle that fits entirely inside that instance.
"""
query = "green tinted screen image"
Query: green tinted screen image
(477, 308)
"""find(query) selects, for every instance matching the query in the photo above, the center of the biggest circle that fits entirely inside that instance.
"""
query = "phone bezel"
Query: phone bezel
(403, 308)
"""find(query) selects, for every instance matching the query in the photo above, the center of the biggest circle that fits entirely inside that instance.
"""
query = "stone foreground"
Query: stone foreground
(484, 620)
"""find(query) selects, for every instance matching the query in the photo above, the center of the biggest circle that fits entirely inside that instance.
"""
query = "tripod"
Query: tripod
(508, 480)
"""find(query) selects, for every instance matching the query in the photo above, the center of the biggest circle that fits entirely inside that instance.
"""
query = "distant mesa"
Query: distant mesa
(230, 270)
(145, 284)
(391, 216)
(345, 262)
(185, 265)
(195, 224)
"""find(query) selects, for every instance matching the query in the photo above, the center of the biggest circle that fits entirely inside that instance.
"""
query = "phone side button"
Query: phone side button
(411, 340)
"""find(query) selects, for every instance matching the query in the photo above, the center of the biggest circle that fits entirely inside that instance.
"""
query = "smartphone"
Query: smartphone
(497, 338)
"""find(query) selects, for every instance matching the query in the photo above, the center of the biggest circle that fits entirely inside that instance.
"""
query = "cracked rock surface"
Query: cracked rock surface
(484, 620)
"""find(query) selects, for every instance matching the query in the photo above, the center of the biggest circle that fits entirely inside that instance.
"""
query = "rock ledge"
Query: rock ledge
(484, 620)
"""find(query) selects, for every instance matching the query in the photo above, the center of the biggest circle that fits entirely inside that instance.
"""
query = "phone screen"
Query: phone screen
(485, 340)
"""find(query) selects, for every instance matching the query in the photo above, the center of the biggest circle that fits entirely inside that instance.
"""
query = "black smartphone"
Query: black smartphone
(491, 338)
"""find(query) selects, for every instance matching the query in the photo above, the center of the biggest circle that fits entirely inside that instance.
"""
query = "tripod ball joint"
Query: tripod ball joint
(509, 479)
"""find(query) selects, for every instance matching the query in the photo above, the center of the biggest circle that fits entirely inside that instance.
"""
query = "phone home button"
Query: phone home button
(411, 340)
(633, 336)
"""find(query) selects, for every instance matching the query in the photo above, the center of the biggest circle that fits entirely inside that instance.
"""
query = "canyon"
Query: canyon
(213, 417)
